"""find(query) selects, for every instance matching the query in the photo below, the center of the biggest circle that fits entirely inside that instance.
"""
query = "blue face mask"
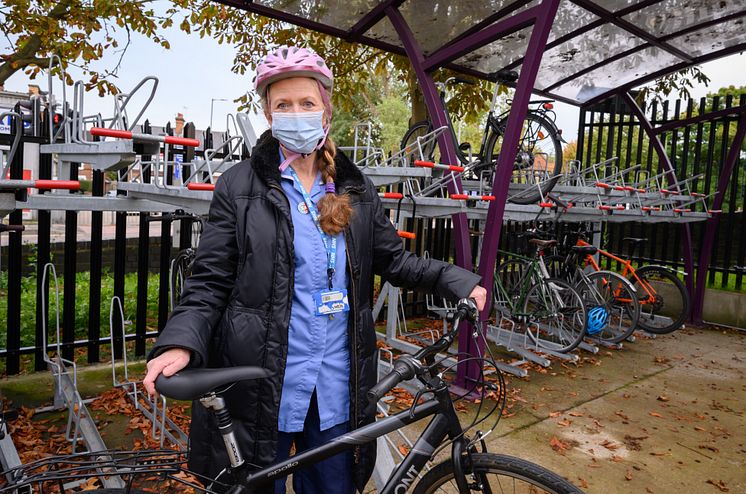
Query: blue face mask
(298, 132)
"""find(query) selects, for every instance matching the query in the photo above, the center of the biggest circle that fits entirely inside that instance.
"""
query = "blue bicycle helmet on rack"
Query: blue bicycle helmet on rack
(597, 318)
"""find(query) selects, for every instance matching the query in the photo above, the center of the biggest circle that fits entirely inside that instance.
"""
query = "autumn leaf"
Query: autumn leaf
(719, 484)
(628, 476)
(656, 414)
(558, 445)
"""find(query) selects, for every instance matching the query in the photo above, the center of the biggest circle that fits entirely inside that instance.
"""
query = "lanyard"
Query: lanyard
(330, 243)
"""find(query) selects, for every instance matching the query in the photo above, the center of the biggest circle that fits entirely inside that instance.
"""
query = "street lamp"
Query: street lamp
(212, 104)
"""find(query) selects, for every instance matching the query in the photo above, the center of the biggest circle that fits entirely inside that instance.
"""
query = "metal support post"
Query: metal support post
(491, 239)
(665, 162)
(708, 242)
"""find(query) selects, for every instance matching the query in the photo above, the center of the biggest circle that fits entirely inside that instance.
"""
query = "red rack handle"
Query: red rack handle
(126, 134)
(424, 164)
(119, 134)
(408, 235)
(455, 168)
(57, 184)
(488, 198)
(602, 185)
(682, 210)
(392, 195)
(181, 141)
(199, 186)
(460, 197)
(546, 204)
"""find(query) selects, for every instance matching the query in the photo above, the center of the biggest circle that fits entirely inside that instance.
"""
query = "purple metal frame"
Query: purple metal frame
(483, 32)
(542, 17)
(705, 253)
(438, 118)
(665, 162)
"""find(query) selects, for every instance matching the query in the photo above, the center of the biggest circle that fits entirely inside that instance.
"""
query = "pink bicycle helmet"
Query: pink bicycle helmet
(291, 61)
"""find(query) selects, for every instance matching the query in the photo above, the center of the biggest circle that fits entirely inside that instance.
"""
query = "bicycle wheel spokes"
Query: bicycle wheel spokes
(555, 315)
(538, 160)
(664, 301)
(617, 297)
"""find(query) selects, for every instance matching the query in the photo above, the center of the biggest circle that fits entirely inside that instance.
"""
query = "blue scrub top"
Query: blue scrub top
(318, 352)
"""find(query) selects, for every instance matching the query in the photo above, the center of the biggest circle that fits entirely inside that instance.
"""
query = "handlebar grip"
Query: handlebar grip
(384, 385)
(461, 80)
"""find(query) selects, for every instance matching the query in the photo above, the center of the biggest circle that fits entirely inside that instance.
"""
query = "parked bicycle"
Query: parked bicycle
(550, 309)
(538, 163)
(610, 299)
(664, 300)
(470, 469)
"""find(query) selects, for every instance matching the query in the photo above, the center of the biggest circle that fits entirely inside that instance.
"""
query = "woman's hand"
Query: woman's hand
(479, 295)
(168, 363)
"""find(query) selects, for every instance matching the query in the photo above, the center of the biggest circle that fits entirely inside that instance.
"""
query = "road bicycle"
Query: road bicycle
(664, 300)
(470, 468)
(550, 309)
(538, 164)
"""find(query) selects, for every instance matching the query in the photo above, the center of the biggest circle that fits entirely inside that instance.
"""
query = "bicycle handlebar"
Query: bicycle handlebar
(408, 366)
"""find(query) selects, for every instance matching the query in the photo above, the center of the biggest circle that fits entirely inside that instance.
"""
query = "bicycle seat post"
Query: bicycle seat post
(216, 404)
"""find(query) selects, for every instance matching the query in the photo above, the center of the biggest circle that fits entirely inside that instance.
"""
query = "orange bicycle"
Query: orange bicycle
(664, 301)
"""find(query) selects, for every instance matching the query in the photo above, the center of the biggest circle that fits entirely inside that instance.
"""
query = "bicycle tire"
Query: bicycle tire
(492, 466)
(619, 298)
(548, 303)
(413, 132)
(179, 272)
(526, 157)
(511, 273)
(677, 310)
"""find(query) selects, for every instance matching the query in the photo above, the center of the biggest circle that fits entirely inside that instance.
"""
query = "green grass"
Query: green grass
(82, 306)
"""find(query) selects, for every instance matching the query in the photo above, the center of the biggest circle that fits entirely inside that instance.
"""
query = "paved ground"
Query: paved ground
(663, 416)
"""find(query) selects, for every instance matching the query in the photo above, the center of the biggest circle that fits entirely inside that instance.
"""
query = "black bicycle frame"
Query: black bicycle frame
(444, 424)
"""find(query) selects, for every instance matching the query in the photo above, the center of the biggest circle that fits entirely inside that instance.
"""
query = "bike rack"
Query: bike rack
(80, 425)
(153, 409)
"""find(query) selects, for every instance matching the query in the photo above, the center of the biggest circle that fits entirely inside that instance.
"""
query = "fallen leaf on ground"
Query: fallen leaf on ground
(628, 476)
(656, 414)
(558, 445)
(719, 484)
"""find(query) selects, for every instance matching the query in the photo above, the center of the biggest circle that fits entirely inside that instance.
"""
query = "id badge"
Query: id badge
(331, 302)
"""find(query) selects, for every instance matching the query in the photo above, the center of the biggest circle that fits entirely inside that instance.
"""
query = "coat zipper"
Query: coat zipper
(354, 359)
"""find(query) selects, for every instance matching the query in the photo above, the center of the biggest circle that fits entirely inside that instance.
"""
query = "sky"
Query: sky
(195, 77)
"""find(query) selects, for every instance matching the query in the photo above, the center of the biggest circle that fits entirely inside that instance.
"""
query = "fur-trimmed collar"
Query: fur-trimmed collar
(265, 161)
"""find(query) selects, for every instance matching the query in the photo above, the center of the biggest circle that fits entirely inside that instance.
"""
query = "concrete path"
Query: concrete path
(663, 416)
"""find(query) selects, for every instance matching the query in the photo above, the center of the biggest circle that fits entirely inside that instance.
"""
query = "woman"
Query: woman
(281, 241)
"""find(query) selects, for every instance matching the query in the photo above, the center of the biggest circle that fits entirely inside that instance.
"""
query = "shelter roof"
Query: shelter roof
(595, 48)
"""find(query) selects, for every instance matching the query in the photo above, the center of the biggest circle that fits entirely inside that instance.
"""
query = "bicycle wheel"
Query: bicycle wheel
(555, 316)
(511, 273)
(496, 473)
(181, 267)
(664, 301)
(617, 297)
(539, 160)
(419, 129)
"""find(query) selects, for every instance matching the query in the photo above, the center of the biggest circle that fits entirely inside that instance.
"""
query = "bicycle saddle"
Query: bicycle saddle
(635, 241)
(542, 243)
(191, 384)
(584, 250)
(506, 76)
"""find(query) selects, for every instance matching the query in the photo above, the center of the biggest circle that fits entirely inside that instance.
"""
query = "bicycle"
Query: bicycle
(664, 300)
(538, 163)
(471, 467)
(610, 295)
(550, 309)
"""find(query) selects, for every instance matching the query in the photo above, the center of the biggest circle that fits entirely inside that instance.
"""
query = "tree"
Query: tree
(79, 32)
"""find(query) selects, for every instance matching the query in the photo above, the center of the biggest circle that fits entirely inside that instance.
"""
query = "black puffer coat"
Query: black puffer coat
(235, 308)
